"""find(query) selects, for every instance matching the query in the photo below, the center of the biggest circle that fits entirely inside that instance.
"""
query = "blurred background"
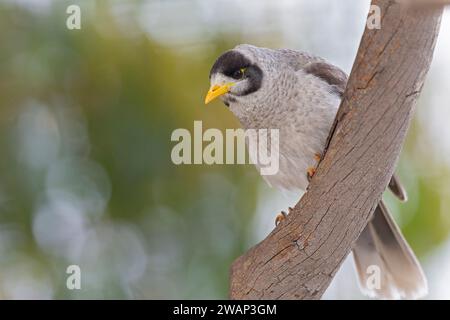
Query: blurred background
(86, 117)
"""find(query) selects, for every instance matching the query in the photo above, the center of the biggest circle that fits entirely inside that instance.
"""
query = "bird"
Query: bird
(299, 94)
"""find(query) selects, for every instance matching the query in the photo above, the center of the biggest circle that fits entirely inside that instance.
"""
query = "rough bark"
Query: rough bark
(424, 2)
(300, 257)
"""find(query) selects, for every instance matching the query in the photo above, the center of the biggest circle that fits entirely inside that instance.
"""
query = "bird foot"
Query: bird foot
(317, 157)
(282, 216)
(310, 172)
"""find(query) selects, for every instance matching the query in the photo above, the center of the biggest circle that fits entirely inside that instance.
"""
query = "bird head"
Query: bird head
(236, 76)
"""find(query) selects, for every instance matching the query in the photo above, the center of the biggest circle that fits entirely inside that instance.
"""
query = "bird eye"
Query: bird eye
(238, 74)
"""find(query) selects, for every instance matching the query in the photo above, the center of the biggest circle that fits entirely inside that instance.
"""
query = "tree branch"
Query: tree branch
(299, 258)
(422, 3)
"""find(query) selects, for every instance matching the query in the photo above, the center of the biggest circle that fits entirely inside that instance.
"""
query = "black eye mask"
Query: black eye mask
(231, 62)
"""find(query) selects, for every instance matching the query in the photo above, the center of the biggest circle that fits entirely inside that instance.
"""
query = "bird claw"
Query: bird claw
(310, 172)
(317, 157)
(282, 216)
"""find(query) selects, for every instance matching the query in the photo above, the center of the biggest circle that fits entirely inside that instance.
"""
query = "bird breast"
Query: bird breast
(304, 118)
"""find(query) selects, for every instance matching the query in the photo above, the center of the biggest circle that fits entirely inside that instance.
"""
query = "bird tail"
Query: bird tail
(386, 266)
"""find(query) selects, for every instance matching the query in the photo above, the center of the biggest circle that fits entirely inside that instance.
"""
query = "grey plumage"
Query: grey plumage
(396, 187)
(299, 94)
(382, 244)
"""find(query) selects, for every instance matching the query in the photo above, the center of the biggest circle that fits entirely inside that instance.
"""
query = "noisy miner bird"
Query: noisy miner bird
(299, 94)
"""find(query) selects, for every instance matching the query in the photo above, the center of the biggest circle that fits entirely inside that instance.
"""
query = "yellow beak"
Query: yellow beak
(217, 91)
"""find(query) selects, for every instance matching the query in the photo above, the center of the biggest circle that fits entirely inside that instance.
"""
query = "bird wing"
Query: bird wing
(332, 75)
(337, 80)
